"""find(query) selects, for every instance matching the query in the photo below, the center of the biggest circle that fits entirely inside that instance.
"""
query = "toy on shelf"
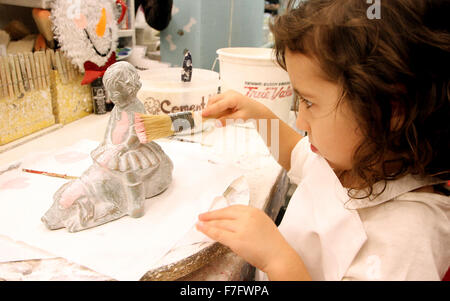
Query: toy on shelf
(17, 30)
(21, 39)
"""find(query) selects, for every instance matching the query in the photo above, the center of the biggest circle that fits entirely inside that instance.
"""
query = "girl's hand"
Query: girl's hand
(248, 231)
(233, 105)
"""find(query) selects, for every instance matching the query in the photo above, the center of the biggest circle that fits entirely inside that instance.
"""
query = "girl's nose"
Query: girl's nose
(101, 25)
(301, 122)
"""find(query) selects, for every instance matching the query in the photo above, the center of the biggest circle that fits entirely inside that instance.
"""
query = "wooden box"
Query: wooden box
(70, 99)
(38, 90)
(25, 97)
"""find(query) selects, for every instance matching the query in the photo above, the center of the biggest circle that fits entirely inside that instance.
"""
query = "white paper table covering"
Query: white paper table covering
(126, 248)
(11, 250)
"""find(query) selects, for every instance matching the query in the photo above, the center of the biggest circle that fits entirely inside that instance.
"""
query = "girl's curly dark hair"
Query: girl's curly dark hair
(397, 65)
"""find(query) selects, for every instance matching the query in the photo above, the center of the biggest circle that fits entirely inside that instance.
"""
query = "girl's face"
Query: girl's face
(333, 131)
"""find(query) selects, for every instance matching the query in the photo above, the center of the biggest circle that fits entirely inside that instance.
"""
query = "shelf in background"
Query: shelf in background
(29, 3)
(123, 53)
(125, 33)
(46, 4)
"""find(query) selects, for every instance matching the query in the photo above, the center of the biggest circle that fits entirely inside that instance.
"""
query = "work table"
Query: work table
(266, 179)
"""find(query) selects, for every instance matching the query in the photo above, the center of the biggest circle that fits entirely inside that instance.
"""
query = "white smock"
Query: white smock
(399, 235)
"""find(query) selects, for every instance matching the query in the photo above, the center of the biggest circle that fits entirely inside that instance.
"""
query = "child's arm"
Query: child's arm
(233, 105)
(251, 234)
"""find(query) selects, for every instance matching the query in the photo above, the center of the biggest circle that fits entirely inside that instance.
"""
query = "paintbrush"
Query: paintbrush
(189, 141)
(50, 174)
(151, 127)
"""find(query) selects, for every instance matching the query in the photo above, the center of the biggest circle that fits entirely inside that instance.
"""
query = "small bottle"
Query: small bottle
(98, 96)
(186, 73)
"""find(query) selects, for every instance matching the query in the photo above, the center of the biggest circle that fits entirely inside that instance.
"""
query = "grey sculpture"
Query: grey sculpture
(125, 172)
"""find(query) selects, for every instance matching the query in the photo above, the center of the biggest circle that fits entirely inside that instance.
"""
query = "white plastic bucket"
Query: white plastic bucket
(254, 73)
(163, 92)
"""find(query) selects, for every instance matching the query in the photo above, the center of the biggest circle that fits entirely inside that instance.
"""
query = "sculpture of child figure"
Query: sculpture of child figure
(125, 172)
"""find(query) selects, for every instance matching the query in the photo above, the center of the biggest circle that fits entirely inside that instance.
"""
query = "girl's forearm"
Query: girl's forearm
(288, 139)
(285, 137)
(288, 267)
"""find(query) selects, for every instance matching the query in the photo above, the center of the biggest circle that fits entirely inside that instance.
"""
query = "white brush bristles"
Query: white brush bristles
(151, 127)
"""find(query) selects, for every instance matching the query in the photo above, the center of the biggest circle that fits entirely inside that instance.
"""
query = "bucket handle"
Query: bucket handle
(214, 64)
(220, 81)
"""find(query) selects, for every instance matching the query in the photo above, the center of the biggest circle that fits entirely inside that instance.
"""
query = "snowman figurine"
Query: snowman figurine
(87, 32)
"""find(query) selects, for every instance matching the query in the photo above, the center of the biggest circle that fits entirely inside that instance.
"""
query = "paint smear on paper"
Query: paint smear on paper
(17, 183)
(70, 157)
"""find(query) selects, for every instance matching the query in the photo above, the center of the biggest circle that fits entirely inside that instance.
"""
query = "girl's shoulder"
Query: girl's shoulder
(420, 207)
(423, 208)
(408, 235)
(412, 219)
(419, 212)
(432, 196)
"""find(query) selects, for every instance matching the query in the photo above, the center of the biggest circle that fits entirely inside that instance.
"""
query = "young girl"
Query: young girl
(371, 201)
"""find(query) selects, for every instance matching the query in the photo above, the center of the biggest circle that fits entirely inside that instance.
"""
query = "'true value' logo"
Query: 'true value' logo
(271, 93)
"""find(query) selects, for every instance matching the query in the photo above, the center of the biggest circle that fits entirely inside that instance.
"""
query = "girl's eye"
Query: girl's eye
(307, 102)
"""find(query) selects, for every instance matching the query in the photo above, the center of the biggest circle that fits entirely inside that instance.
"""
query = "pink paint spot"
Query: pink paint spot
(81, 21)
(140, 129)
(71, 194)
(120, 129)
(17, 183)
(71, 157)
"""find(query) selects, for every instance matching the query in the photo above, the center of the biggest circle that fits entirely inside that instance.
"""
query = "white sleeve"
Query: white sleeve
(299, 155)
